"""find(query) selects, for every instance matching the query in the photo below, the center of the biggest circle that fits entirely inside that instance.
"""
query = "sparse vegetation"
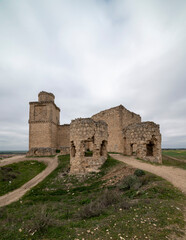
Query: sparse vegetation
(88, 153)
(179, 154)
(15, 175)
(139, 172)
(82, 208)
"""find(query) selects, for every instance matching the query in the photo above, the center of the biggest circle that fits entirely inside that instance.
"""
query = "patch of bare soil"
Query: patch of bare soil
(117, 174)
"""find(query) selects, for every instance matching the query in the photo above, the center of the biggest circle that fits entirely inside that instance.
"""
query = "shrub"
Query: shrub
(124, 204)
(93, 209)
(58, 151)
(130, 182)
(139, 172)
(40, 222)
(145, 179)
(110, 197)
(97, 207)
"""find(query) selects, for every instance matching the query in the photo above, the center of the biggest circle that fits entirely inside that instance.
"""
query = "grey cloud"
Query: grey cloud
(93, 55)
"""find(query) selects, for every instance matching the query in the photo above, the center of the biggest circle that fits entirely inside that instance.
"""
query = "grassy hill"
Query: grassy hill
(117, 203)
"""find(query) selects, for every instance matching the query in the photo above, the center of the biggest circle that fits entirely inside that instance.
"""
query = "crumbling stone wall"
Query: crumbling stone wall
(117, 118)
(88, 145)
(143, 140)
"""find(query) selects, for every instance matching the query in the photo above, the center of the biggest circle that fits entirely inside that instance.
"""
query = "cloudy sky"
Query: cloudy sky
(93, 55)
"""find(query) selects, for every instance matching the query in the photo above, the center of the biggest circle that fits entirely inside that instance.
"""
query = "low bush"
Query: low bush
(139, 172)
(130, 182)
(97, 207)
(40, 222)
(93, 209)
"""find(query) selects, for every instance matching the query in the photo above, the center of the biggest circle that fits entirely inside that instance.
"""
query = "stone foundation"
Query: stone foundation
(41, 152)
(64, 150)
(88, 145)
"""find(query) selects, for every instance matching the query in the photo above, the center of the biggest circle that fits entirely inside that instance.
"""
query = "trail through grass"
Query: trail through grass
(66, 207)
(15, 175)
(179, 154)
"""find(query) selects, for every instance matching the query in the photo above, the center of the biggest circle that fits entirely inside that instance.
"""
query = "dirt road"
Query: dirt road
(174, 175)
(15, 195)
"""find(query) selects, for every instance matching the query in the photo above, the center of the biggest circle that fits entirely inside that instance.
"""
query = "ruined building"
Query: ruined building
(126, 134)
(88, 145)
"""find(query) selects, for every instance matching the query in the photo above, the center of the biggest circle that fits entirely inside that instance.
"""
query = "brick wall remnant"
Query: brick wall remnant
(143, 140)
(88, 145)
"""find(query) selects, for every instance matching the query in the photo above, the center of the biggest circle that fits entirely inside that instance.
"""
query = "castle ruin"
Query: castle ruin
(88, 145)
(116, 130)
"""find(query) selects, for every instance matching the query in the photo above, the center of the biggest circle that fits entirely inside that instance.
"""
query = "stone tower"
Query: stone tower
(43, 122)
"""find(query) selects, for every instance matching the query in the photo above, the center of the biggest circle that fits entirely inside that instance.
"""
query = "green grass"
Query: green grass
(15, 175)
(50, 156)
(179, 154)
(171, 162)
(60, 207)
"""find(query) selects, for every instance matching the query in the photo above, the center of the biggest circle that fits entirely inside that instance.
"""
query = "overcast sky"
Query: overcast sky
(93, 55)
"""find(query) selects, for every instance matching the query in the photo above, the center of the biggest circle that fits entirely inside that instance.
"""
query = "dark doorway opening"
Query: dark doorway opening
(73, 149)
(150, 149)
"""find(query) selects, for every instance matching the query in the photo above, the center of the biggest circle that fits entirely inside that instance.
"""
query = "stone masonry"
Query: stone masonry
(88, 145)
(45, 133)
(126, 134)
(143, 140)
(117, 118)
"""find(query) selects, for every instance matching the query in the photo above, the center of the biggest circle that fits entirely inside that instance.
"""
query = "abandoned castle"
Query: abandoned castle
(88, 139)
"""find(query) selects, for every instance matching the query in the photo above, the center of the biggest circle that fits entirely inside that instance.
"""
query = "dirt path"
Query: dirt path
(15, 195)
(173, 158)
(174, 175)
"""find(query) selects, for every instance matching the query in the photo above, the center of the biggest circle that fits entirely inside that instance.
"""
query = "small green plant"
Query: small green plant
(139, 172)
(130, 182)
(88, 153)
(40, 222)
(97, 207)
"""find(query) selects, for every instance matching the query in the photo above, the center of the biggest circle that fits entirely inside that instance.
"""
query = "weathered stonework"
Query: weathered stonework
(117, 118)
(41, 152)
(88, 145)
(44, 128)
(143, 140)
(126, 134)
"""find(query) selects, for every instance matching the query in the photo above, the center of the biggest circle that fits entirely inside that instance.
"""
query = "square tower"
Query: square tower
(43, 122)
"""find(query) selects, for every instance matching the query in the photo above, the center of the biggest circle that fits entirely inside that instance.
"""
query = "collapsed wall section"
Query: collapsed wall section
(117, 118)
(143, 140)
(88, 145)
